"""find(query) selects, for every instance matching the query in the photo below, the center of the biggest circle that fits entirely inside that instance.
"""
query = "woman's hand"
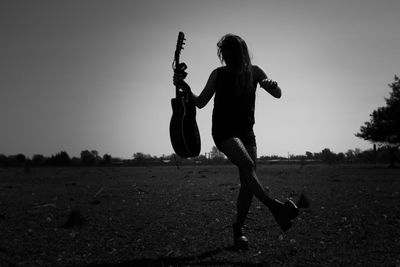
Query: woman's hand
(178, 78)
(179, 81)
(270, 83)
(271, 87)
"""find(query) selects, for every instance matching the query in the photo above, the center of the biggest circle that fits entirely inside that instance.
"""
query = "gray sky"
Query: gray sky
(97, 74)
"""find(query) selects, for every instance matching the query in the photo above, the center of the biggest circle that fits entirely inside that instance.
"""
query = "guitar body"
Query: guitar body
(184, 133)
(183, 130)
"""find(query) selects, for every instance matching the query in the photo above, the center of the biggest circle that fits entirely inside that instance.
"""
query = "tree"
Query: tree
(95, 154)
(216, 154)
(141, 158)
(107, 159)
(20, 158)
(63, 158)
(309, 155)
(384, 125)
(327, 155)
(87, 158)
(3, 160)
(38, 160)
(59, 159)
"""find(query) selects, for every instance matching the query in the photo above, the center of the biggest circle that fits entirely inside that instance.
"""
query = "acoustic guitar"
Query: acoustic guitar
(183, 130)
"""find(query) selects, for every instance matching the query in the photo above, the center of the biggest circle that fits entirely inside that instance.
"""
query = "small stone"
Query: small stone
(75, 219)
(73, 234)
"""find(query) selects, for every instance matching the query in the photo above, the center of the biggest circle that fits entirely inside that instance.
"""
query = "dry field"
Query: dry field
(162, 216)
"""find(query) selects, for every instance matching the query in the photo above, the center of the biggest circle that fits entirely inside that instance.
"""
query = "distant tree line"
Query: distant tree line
(92, 158)
(383, 129)
(375, 155)
(87, 158)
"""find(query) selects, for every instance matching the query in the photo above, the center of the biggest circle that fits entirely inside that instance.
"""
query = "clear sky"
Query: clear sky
(81, 74)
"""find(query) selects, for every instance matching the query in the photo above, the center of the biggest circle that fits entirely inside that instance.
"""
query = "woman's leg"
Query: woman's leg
(284, 213)
(244, 200)
(245, 194)
(236, 152)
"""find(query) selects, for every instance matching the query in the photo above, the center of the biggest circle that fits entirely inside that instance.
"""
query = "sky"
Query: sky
(96, 75)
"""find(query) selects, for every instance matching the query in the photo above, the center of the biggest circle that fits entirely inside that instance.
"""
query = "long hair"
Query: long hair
(233, 51)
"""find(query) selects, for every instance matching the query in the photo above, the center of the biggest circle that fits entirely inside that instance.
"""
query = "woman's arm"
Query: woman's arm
(268, 85)
(207, 93)
(271, 87)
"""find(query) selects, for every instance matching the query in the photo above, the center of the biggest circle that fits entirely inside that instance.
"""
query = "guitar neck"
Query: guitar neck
(178, 69)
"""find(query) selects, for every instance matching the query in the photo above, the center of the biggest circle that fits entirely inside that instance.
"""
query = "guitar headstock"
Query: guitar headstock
(179, 47)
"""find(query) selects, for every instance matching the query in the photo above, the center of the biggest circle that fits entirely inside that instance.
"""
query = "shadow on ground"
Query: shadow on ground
(196, 260)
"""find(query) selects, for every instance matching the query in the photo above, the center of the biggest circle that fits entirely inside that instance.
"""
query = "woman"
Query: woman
(234, 87)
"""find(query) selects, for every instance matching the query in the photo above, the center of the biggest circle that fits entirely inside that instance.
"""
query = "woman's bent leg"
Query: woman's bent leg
(284, 213)
(237, 153)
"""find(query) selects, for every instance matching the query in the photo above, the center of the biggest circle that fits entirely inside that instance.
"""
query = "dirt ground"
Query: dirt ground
(162, 216)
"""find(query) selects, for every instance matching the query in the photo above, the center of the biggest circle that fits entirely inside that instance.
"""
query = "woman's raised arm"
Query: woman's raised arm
(267, 84)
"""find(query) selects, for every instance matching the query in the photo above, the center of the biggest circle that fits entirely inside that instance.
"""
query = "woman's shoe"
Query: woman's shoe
(240, 241)
(284, 213)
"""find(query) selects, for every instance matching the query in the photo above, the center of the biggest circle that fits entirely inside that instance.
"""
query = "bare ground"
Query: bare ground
(162, 216)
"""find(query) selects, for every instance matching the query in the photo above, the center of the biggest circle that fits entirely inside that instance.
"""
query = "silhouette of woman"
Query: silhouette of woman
(234, 85)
